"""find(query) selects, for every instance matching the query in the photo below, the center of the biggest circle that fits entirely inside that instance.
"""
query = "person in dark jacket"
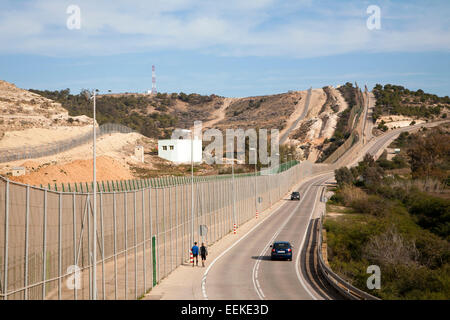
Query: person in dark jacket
(195, 253)
(203, 253)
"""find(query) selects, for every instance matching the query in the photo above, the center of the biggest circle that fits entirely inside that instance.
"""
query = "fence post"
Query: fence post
(126, 243)
(176, 224)
(143, 241)
(115, 244)
(164, 225)
(183, 222)
(5, 286)
(135, 247)
(44, 248)
(157, 236)
(103, 244)
(170, 228)
(27, 215)
(59, 245)
(151, 233)
(74, 239)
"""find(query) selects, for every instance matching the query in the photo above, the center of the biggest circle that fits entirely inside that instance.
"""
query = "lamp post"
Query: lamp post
(256, 194)
(93, 95)
(192, 182)
(192, 187)
(94, 253)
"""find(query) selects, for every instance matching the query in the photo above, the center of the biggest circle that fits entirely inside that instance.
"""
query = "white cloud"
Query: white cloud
(242, 28)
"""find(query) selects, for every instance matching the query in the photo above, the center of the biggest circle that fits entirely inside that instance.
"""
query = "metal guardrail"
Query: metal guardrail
(7, 155)
(343, 287)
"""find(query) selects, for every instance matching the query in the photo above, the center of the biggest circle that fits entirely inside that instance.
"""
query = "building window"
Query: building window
(164, 147)
(171, 147)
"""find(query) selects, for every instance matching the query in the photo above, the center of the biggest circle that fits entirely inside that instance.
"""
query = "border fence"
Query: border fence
(164, 181)
(32, 152)
(355, 122)
(47, 240)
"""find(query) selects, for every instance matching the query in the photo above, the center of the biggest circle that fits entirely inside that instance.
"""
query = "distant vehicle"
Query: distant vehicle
(295, 195)
(397, 150)
(281, 250)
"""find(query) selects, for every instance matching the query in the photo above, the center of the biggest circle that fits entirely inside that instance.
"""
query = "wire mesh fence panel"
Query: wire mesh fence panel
(142, 234)
(28, 152)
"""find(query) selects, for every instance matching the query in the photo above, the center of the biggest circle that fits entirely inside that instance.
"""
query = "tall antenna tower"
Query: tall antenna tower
(153, 80)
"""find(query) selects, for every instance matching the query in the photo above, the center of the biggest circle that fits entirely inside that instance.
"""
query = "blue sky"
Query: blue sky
(231, 48)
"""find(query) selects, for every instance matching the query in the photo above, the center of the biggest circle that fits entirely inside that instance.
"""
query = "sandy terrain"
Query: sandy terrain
(401, 124)
(318, 98)
(40, 136)
(76, 171)
(314, 131)
(296, 114)
(116, 148)
(21, 109)
(397, 121)
(330, 126)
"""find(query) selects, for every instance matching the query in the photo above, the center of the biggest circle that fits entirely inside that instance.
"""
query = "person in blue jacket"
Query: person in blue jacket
(195, 253)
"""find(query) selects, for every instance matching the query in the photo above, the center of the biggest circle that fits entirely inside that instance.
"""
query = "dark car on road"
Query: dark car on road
(295, 195)
(281, 250)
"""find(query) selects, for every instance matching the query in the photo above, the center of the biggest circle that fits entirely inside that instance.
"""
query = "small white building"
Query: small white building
(179, 151)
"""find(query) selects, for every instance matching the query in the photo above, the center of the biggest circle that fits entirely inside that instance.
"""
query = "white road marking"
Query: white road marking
(257, 263)
(297, 260)
(224, 252)
(205, 296)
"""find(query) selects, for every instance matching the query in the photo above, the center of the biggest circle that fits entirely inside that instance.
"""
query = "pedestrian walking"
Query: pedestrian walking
(195, 253)
(203, 253)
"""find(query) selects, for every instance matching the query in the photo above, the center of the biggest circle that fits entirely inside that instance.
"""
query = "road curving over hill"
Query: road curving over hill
(245, 271)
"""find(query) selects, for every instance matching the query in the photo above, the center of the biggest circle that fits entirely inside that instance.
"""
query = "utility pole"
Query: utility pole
(192, 188)
(94, 213)
(94, 196)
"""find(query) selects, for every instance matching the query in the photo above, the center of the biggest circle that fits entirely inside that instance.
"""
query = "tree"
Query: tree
(343, 176)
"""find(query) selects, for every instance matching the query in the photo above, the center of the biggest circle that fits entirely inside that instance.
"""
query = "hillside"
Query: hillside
(29, 121)
(395, 214)
(157, 115)
(397, 106)
(64, 115)
(21, 109)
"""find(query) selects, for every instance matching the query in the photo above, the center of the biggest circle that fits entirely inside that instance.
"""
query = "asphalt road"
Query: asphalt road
(245, 271)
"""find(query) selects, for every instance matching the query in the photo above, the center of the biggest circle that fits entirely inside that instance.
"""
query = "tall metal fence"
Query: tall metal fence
(355, 122)
(31, 152)
(164, 181)
(142, 235)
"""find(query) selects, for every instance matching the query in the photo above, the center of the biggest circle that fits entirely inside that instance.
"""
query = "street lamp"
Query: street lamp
(256, 195)
(93, 95)
(192, 183)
